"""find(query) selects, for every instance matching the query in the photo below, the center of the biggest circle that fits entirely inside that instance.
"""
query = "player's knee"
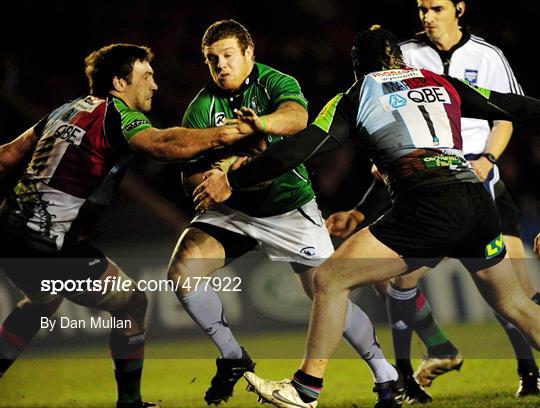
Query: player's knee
(325, 282)
(181, 265)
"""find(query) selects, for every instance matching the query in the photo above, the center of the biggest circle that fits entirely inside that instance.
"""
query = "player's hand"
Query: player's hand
(234, 131)
(481, 167)
(239, 163)
(537, 245)
(250, 117)
(343, 223)
(214, 189)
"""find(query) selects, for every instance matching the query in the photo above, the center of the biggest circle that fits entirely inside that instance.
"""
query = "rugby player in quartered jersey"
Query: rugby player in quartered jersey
(79, 153)
(78, 145)
(409, 122)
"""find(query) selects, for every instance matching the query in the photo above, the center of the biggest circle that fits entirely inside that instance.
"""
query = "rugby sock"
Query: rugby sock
(308, 387)
(438, 345)
(522, 350)
(204, 306)
(18, 329)
(127, 353)
(360, 334)
(401, 308)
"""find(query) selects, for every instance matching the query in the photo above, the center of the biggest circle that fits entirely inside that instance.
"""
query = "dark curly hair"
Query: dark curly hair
(375, 49)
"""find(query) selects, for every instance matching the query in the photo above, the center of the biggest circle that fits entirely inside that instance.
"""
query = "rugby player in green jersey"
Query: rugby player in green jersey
(281, 217)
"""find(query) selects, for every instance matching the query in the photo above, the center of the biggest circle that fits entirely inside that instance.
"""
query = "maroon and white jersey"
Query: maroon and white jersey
(80, 147)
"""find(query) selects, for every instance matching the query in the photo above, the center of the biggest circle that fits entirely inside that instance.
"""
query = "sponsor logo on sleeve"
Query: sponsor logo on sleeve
(417, 96)
(471, 75)
(135, 124)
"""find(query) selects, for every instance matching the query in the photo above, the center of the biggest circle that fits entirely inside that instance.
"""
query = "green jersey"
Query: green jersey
(263, 90)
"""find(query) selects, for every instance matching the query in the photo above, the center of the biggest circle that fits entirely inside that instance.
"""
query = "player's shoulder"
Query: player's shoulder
(487, 49)
(267, 73)
(202, 99)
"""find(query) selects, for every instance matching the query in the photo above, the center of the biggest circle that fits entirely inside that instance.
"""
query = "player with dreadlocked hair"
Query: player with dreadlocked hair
(371, 52)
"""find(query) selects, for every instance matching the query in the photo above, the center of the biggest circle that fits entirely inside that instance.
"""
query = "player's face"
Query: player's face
(229, 66)
(438, 17)
(139, 93)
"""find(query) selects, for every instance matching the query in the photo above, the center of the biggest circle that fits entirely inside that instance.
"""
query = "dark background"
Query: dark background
(44, 44)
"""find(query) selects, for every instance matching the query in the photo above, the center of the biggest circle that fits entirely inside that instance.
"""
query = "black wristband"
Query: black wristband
(491, 157)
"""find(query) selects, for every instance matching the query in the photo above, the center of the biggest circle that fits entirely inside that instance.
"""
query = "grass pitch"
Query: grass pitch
(84, 378)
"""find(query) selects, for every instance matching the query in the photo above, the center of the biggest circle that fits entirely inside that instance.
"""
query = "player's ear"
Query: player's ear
(118, 83)
(460, 9)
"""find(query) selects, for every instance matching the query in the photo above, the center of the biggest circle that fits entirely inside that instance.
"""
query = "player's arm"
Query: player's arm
(13, 152)
(486, 104)
(175, 143)
(289, 114)
(500, 78)
(498, 139)
(334, 125)
(289, 118)
(179, 143)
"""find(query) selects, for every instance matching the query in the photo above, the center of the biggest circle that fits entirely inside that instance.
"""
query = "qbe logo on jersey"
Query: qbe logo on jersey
(415, 97)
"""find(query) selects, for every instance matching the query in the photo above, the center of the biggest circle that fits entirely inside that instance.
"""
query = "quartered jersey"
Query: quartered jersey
(263, 91)
(474, 60)
(80, 153)
(408, 119)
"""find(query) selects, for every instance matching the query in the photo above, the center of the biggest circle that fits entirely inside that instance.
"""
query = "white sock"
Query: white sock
(204, 306)
(360, 334)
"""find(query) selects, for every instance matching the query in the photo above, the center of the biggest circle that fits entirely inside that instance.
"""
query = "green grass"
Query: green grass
(487, 379)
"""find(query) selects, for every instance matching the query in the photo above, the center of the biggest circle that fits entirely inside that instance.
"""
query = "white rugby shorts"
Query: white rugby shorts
(296, 236)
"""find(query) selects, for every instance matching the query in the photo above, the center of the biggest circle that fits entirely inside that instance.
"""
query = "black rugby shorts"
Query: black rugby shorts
(457, 221)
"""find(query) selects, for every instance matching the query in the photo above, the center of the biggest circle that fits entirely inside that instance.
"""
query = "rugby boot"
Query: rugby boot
(390, 394)
(529, 384)
(414, 393)
(229, 371)
(278, 393)
(432, 367)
